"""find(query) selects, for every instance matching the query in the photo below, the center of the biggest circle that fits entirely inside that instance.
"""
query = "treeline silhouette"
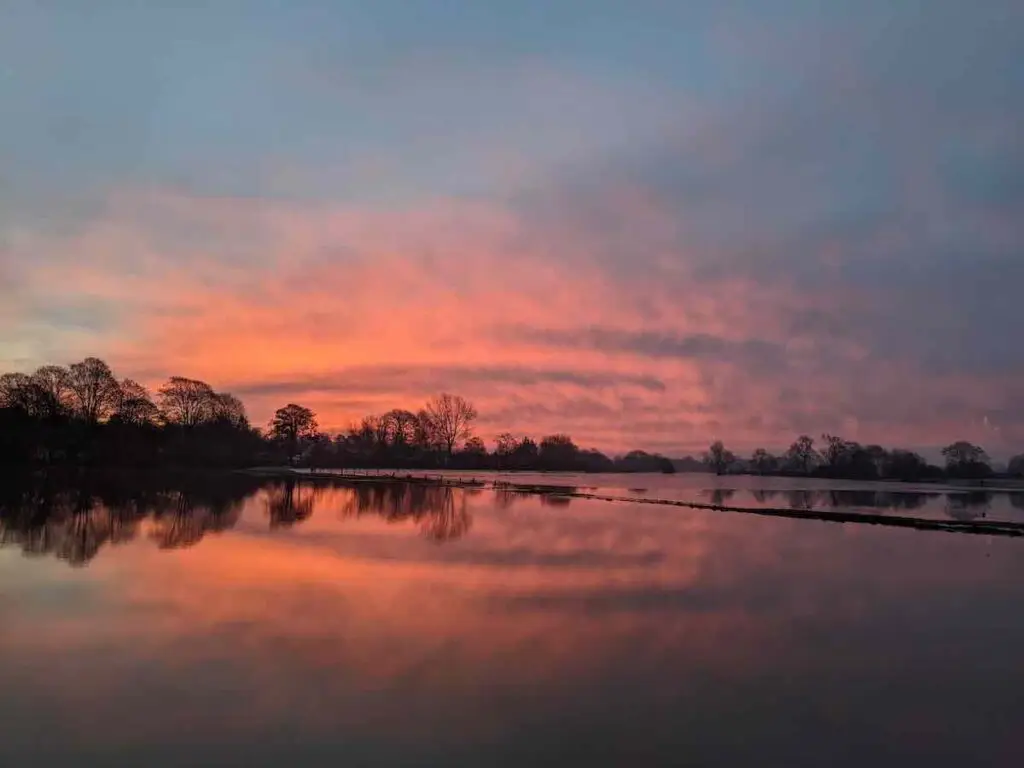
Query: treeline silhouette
(965, 506)
(72, 515)
(848, 459)
(83, 414)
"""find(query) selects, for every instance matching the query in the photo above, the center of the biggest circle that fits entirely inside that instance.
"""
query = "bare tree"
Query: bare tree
(763, 461)
(506, 444)
(187, 401)
(292, 423)
(717, 458)
(228, 409)
(963, 452)
(451, 418)
(18, 391)
(134, 404)
(94, 390)
(801, 453)
(53, 382)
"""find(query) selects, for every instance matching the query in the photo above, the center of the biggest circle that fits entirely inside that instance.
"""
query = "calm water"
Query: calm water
(237, 622)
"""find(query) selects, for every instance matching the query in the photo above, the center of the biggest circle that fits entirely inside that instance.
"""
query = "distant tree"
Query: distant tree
(717, 458)
(134, 405)
(902, 464)
(19, 393)
(94, 392)
(475, 446)
(801, 454)
(877, 455)
(187, 402)
(558, 452)
(526, 454)
(293, 423)
(763, 462)
(54, 387)
(836, 449)
(399, 427)
(228, 409)
(505, 444)
(1016, 466)
(450, 418)
(965, 459)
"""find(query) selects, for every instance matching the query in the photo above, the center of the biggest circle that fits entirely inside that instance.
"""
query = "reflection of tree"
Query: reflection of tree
(802, 499)
(440, 510)
(762, 496)
(74, 518)
(555, 500)
(968, 506)
(721, 496)
(289, 503)
(1017, 500)
(183, 520)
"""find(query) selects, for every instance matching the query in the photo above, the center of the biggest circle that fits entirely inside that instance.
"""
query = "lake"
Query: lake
(238, 620)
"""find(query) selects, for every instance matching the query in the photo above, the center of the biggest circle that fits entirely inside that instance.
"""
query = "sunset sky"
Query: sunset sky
(648, 224)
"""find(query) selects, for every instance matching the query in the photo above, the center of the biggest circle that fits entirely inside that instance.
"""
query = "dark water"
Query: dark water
(237, 622)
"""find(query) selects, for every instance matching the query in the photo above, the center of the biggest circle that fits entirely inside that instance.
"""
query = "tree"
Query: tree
(801, 454)
(558, 452)
(292, 423)
(94, 390)
(1016, 466)
(228, 409)
(505, 444)
(134, 405)
(902, 464)
(965, 459)
(475, 446)
(836, 449)
(717, 458)
(763, 462)
(53, 383)
(399, 427)
(450, 418)
(187, 402)
(18, 393)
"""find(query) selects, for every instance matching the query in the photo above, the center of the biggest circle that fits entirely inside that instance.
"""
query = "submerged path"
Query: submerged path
(977, 527)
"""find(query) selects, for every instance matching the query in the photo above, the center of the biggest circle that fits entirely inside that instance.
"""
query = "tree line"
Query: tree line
(82, 414)
(836, 457)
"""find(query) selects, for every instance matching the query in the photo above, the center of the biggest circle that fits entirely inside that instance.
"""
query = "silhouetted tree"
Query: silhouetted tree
(1016, 466)
(801, 454)
(134, 405)
(94, 392)
(717, 458)
(450, 418)
(187, 402)
(228, 409)
(763, 462)
(558, 452)
(292, 423)
(54, 387)
(964, 459)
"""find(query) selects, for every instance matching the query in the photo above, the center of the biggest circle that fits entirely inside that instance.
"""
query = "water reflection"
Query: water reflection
(440, 511)
(968, 506)
(73, 523)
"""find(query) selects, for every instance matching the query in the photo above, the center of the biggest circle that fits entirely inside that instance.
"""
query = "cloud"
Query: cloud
(813, 226)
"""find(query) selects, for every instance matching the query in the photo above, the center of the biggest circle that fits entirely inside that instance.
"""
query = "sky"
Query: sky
(647, 224)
